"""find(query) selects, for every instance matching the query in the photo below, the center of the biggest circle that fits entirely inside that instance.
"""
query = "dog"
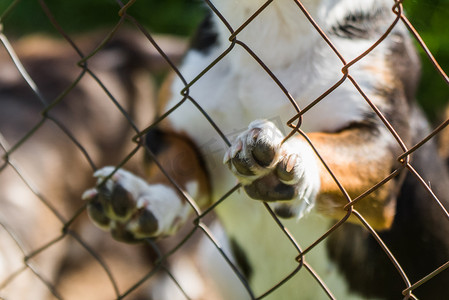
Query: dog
(289, 173)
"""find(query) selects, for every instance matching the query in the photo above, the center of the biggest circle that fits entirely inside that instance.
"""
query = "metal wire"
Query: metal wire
(159, 264)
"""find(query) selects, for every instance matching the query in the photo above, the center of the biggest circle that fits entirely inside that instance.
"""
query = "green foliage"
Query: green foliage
(180, 17)
(431, 20)
(169, 16)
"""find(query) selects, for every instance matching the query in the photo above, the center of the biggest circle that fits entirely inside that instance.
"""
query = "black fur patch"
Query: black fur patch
(241, 259)
(284, 211)
(155, 141)
(359, 25)
(206, 36)
(405, 63)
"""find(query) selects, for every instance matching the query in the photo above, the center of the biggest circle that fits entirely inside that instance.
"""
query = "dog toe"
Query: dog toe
(286, 169)
(263, 153)
(97, 212)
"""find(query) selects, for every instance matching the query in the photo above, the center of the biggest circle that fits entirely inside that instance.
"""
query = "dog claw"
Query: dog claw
(226, 158)
(285, 170)
(89, 194)
(255, 134)
(236, 148)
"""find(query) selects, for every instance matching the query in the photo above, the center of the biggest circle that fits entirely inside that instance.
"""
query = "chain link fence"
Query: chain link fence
(72, 105)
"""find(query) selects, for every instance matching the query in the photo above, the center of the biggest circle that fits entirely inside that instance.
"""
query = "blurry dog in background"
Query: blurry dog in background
(251, 109)
(56, 168)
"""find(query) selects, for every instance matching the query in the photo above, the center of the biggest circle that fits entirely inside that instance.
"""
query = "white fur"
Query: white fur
(187, 276)
(135, 185)
(245, 89)
(192, 188)
(165, 205)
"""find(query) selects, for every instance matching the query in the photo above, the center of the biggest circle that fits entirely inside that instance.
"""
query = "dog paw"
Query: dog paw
(131, 209)
(283, 173)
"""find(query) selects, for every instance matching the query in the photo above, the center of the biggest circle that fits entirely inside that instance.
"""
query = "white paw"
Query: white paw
(284, 173)
(133, 209)
(254, 152)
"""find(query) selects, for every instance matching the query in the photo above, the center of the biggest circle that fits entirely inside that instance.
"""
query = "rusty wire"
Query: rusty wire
(160, 264)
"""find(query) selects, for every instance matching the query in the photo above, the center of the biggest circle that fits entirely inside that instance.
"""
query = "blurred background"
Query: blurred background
(180, 18)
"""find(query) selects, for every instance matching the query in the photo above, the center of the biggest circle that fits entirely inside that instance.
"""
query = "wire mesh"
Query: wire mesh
(47, 150)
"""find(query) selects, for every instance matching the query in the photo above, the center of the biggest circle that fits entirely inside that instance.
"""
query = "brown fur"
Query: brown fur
(357, 169)
(182, 163)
